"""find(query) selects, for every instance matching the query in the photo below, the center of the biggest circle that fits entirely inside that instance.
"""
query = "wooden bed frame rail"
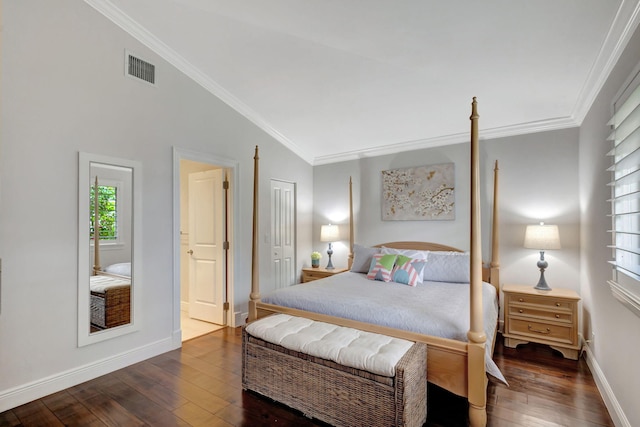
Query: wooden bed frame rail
(454, 365)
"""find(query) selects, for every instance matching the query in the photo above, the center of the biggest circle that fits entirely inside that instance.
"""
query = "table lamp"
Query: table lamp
(329, 233)
(542, 237)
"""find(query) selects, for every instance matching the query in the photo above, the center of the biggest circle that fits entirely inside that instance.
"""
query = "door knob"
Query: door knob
(190, 251)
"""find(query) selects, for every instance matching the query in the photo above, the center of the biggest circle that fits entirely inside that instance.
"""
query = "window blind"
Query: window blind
(625, 194)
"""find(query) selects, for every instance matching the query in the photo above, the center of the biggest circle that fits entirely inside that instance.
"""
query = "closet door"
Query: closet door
(283, 233)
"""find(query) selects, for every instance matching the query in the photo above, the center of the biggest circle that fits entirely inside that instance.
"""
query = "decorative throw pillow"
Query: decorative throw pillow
(447, 267)
(411, 253)
(381, 267)
(362, 258)
(407, 270)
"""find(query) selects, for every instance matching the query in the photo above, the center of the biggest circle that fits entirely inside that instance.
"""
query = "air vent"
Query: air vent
(140, 69)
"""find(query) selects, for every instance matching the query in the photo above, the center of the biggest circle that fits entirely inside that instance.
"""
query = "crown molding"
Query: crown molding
(485, 134)
(133, 28)
(624, 25)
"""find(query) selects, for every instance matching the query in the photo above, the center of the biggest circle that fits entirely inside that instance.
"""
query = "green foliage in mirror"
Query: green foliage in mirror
(107, 212)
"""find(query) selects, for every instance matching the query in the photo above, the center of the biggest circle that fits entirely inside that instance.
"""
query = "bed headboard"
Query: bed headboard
(419, 246)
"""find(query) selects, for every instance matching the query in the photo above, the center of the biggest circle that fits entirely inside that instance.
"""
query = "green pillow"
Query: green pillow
(381, 267)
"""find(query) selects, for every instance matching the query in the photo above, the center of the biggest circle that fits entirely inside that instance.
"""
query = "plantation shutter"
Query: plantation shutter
(625, 197)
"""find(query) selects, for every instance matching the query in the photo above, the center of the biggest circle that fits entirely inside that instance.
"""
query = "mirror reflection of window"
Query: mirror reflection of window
(107, 212)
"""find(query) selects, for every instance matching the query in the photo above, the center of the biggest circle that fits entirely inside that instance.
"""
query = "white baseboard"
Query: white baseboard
(176, 338)
(43, 387)
(615, 410)
(239, 319)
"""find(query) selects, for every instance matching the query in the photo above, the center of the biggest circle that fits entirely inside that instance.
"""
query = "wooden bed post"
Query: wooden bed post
(476, 335)
(254, 297)
(96, 229)
(495, 235)
(350, 259)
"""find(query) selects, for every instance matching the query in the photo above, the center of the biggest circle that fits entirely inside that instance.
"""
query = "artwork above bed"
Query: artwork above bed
(419, 193)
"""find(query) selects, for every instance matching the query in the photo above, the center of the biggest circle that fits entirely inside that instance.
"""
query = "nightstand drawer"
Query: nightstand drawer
(313, 275)
(310, 274)
(541, 313)
(541, 330)
(543, 301)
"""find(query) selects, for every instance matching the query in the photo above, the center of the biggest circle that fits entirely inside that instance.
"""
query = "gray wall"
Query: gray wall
(64, 91)
(612, 328)
(538, 180)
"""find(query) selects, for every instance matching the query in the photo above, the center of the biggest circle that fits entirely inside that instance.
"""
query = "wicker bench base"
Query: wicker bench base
(111, 308)
(336, 394)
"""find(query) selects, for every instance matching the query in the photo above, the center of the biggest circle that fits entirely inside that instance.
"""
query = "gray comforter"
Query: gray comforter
(431, 308)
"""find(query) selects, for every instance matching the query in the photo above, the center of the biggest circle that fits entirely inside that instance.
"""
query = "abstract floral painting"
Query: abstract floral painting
(419, 193)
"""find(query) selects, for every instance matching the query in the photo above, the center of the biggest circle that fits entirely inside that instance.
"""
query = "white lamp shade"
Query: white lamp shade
(542, 237)
(329, 233)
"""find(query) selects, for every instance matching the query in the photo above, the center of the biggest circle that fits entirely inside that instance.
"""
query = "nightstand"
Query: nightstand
(310, 273)
(545, 317)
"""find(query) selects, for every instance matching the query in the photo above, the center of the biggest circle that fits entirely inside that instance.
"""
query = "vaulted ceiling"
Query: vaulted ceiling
(336, 80)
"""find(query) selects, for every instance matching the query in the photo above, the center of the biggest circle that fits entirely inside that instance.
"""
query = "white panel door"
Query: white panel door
(283, 237)
(206, 238)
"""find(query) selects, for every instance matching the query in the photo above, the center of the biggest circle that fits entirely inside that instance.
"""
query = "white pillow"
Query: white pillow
(121, 269)
(362, 258)
(411, 253)
(445, 266)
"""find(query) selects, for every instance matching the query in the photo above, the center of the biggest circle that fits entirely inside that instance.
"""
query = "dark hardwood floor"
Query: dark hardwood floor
(199, 385)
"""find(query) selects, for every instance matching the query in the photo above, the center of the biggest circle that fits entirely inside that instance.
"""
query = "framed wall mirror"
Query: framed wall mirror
(109, 244)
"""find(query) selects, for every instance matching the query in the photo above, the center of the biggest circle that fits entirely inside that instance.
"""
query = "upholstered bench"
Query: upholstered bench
(338, 375)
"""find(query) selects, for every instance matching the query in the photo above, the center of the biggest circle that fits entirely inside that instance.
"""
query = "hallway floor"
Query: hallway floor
(192, 328)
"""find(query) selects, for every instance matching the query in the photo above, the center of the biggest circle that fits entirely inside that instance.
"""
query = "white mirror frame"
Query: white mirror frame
(85, 336)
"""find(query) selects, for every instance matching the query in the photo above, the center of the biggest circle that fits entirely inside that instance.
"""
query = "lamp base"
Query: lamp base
(542, 283)
(330, 264)
(542, 286)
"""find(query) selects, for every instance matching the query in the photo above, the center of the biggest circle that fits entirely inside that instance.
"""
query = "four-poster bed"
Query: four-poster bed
(457, 365)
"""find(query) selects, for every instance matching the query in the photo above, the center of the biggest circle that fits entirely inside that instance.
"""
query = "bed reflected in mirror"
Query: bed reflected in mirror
(108, 225)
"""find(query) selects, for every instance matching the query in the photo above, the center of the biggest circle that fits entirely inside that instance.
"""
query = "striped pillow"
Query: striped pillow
(407, 270)
(413, 253)
(381, 267)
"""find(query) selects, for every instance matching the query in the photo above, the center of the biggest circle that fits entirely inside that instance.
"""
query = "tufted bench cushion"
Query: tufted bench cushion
(339, 375)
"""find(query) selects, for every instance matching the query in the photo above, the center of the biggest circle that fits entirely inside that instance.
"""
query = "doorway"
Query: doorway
(203, 222)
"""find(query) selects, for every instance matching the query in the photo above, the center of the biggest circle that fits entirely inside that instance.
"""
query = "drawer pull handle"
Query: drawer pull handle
(521, 311)
(521, 299)
(548, 331)
(557, 304)
(557, 316)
